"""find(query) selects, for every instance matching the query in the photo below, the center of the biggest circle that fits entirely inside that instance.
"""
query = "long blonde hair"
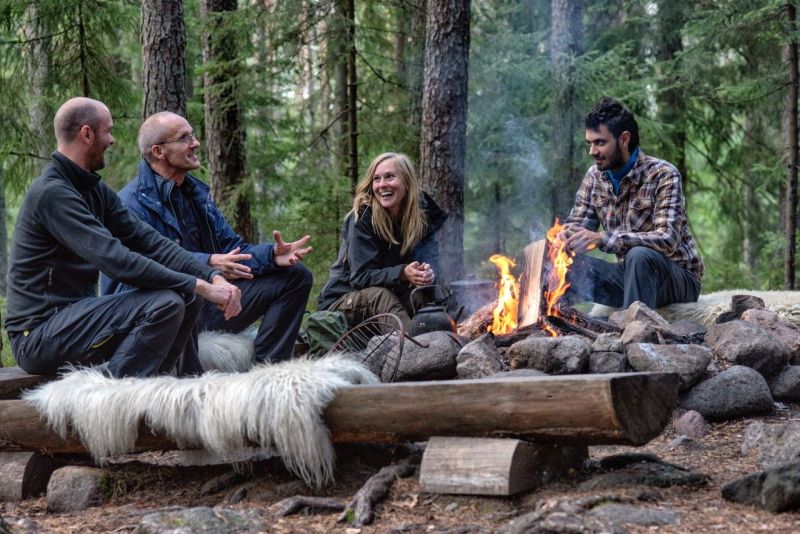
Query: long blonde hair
(413, 221)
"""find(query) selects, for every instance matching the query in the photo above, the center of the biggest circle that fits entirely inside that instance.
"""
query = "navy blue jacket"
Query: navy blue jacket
(148, 196)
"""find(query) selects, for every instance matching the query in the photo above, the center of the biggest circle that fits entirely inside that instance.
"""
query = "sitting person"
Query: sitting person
(639, 201)
(388, 244)
(273, 283)
(70, 226)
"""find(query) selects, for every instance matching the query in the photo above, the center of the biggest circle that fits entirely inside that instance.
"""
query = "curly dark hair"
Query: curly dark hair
(617, 118)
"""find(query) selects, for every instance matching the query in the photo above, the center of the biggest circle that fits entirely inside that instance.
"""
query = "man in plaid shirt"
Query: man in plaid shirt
(639, 201)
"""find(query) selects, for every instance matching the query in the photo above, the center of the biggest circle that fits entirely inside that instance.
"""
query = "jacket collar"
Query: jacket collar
(81, 179)
(155, 188)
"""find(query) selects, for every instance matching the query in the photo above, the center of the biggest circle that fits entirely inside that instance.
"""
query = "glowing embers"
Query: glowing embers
(504, 316)
(557, 285)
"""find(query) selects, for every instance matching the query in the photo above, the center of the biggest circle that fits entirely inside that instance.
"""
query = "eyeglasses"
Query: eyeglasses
(186, 139)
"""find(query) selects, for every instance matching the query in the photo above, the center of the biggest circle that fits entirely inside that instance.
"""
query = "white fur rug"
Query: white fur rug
(229, 353)
(276, 407)
(709, 306)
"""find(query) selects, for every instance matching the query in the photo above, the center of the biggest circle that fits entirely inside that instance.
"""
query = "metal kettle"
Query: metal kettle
(431, 317)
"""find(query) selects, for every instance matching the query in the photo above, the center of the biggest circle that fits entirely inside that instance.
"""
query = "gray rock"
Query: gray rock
(609, 342)
(739, 305)
(435, 360)
(640, 332)
(746, 343)
(626, 514)
(201, 520)
(553, 355)
(689, 361)
(777, 490)
(785, 386)
(687, 328)
(658, 474)
(691, 424)
(641, 312)
(608, 362)
(517, 373)
(75, 488)
(735, 392)
(479, 358)
(776, 444)
(779, 327)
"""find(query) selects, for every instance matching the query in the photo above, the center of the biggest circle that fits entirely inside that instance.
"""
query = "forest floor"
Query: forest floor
(147, 482)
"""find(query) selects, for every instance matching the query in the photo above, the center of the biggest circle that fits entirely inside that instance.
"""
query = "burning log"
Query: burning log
(477, 323)
(566, 327)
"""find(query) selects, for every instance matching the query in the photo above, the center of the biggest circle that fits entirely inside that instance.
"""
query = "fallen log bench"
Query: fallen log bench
(13, 380)
(626, 408)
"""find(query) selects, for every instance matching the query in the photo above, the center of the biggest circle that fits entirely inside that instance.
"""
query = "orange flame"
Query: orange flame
(557, 283)
(505, 313)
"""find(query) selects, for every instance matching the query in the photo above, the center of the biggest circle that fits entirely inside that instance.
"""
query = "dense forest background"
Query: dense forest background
(302, 94)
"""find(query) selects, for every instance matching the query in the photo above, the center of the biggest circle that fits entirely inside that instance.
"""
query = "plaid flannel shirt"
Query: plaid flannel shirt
(648, 212)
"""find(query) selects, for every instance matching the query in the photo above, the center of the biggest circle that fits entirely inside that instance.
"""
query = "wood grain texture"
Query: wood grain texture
(13, 380)
(630, 408)
(530, 302)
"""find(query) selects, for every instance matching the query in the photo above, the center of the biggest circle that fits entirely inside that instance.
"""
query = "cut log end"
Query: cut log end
(643, 403)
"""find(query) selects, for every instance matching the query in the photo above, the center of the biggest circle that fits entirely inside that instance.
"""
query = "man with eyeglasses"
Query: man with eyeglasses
(71, 225)
(274, 284)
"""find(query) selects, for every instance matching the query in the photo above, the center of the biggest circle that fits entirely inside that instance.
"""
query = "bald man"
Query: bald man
(273, 282)
(71, 225)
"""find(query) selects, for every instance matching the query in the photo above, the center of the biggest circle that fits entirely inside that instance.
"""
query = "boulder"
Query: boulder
(479, 358)
(200, 520)
(638, 312)
(434, 359)
(609, 342)
(687, 328)
(552, 355)
(779, 327)
(746, 343)
(76, 488)
(691, 424)
(735, 392)
(689, 361)
(739, 305)
(608, 362)
(776, 444)
(640, 332)
(777, 490)
(785, 386)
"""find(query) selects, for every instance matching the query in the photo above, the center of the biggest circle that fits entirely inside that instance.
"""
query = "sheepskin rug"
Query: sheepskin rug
(229, 353)
(276, 407)
(708, 307)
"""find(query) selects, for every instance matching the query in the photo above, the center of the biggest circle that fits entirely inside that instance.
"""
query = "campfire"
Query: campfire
(532, 303)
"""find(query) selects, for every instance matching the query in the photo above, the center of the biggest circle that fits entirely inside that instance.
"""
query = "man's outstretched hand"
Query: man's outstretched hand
(225, 295)
(287, 254)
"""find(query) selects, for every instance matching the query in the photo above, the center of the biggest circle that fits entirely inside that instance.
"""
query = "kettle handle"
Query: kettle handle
(411, 296)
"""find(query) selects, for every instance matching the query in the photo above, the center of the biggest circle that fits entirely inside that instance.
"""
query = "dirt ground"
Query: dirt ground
(147, 482)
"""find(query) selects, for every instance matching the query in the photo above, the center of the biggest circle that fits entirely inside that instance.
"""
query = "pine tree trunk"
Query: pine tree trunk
(224, 129)
(565, 39)
(792, 154)
(163, 57)
(38, 59)
(444, 124)
(352, 93)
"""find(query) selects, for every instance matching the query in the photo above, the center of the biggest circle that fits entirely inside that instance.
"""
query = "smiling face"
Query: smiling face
(389, 187)
(176, 154)
(102, 139)
(608, 153)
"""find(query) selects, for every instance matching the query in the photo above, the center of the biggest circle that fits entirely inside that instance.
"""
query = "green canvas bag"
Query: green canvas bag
(323, 330)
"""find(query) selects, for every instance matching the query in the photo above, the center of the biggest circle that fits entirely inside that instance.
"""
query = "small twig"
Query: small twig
(292, 505)
(360, 510)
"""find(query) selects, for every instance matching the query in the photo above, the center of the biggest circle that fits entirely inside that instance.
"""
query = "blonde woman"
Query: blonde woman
(388, 244)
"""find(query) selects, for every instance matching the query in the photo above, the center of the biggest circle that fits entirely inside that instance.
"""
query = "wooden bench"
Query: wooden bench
(13, 380)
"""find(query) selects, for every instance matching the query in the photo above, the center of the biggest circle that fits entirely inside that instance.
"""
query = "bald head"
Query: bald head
(155, 129)
(76, 113)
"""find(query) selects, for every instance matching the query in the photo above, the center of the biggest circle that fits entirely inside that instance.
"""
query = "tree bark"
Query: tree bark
(792, 151)
(565, 37)
(38, 58)
(225, 144)
(163, 57)
(444, 124)
(352, 93)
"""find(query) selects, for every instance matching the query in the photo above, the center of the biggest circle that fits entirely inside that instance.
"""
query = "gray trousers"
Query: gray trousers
(137, 332)
(644, 275)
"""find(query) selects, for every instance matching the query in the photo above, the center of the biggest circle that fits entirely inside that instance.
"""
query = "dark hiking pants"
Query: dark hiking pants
(358, 306)
(644, 275)
(137, 332)
(279, 299)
